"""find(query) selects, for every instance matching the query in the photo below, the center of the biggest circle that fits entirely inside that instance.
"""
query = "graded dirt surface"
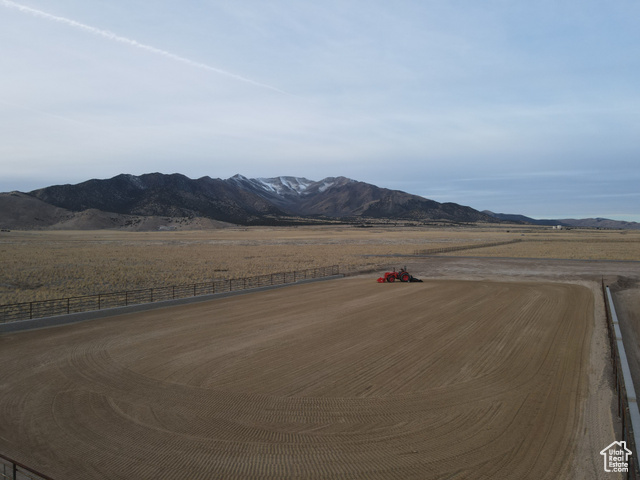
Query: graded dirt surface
(338, 379)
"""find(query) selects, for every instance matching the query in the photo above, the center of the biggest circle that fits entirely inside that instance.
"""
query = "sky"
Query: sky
(512, 106)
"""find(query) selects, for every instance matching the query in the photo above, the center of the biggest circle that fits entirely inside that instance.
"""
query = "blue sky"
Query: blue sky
(512, 106)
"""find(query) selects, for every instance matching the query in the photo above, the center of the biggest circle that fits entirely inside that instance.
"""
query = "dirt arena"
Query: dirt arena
(450, 378)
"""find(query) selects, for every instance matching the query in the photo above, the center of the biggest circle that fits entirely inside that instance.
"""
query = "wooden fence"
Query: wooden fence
(86, 303)
(12, 470)
(624, 412)
(457, 248)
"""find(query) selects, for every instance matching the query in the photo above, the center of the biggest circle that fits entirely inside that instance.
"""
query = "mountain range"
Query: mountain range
(568, 222)
(156, 201)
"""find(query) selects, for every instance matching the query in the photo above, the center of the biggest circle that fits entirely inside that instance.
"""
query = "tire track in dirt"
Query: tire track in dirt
(346, 379)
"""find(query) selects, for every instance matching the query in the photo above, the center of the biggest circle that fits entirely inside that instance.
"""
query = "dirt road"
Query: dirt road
(341, 379)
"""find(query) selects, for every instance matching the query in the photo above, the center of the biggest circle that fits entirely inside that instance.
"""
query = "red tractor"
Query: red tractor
(402, 275)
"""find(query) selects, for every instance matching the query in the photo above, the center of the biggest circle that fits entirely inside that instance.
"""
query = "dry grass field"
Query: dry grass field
(344, 379)
(39, 265)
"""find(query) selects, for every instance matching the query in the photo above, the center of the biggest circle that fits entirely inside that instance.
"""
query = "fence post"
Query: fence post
(68, 310)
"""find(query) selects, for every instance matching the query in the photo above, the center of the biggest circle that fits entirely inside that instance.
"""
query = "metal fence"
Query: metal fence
(457, 248)
(621, 390)
(86, 303)
(12, 470)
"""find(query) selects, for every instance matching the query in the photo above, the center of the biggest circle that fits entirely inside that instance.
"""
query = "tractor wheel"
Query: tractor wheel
(391, 279)
(405, 277)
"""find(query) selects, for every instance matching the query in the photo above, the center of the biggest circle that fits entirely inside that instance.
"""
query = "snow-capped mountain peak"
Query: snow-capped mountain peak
(285, 185)
(286, 189)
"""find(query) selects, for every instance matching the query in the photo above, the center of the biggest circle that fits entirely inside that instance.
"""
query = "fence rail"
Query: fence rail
(623, 402)
(86, 303)
(457, 248)
(12, 470)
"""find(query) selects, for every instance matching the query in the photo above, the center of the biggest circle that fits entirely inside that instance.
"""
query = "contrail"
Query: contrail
(117, 38)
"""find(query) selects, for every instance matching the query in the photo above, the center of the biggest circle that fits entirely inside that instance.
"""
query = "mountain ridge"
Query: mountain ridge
(245, 201)
(596, 222)
(157, 200)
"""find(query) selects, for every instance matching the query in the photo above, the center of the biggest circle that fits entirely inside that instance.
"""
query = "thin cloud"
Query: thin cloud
(117, 38)
(41, 112)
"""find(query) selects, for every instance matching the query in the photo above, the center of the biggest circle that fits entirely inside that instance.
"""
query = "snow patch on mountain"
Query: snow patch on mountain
(135, 180)
(285, 185)
(325, 185)
(288, 188)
